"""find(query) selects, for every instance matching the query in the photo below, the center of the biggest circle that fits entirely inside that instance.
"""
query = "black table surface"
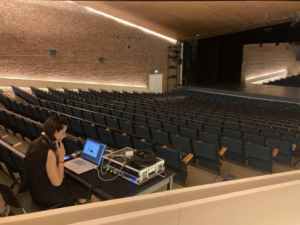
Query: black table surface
(118, 188)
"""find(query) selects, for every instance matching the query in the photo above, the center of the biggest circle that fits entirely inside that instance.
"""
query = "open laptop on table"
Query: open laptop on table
(90, 157)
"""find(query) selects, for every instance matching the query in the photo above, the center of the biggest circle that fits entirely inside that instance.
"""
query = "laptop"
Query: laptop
(90, 157)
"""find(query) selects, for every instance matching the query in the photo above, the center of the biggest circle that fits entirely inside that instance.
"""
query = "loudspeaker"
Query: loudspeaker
(297, 51)
(53, 52)
(101, 59)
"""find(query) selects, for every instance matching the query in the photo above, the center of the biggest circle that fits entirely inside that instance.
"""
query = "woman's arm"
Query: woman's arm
(55, 165)
(55, 171)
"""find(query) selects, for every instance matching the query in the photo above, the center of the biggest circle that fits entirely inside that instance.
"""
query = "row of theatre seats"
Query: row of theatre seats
(234, 202)
(185, 107)
(261, 103)
(206, 145)
(293, 81)
(175, 160)
(228, 128)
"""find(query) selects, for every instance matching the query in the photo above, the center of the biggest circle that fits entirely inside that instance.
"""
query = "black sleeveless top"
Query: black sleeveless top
(40, 187)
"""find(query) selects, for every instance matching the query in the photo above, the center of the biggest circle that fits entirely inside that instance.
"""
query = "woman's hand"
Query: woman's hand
(60, 151)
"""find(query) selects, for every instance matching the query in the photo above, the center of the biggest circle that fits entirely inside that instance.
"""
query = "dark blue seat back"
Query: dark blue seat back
(106, 136)
(284, 154)
(140, 119)
(76, 127)
(188, 131)
(88, 116)
(232, 133)
(77, 113)
(183, 143)
(141, 144)
(142, 131)
(99, 119)
(160, 136)
(235, 149)
(259, 156)
(126, 127)
(170, 127)
(209, 136)
(71, 145)
(112, 123)
(254, 137)
(122, 141)
(155, 123)
(90, 131)
(172, 162)
(213, 128)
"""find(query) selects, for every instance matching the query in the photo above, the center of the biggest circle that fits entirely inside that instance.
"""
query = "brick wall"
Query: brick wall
(29, 29)
(267, 59)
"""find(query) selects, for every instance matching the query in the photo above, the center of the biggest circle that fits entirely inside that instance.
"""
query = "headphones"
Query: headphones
(51, 142)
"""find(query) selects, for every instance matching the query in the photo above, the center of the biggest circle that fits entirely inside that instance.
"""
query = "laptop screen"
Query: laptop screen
(93, 151)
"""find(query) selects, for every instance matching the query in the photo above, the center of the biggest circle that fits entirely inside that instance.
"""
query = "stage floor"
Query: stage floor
(258, 91)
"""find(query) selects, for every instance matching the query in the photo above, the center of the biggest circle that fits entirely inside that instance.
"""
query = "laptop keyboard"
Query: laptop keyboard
(83, 164)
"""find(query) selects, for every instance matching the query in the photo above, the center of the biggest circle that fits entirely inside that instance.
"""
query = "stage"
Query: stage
(257, 91)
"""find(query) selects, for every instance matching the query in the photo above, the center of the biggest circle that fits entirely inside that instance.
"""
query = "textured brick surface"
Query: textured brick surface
(29, 29)
(267, 59)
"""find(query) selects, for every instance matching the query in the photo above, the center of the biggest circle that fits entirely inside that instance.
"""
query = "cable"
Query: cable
(143, 157)
(103, 173)
(221, 176)
(160, 174)
(101, 195)
(228, 169)
(215, 179)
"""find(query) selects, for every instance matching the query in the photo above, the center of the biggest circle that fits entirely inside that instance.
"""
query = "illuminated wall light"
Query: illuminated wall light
(267, 77)
(268, 80)
(132, 25)
(15, 78)
(18, 87)
(74, 82)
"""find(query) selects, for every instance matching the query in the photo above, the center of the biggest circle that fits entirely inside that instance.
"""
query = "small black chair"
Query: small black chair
(21, 203)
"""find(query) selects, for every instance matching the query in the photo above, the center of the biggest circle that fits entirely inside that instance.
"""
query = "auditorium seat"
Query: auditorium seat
(88, 116)
(77, 128)
(284, 150)
(126, 126)
(173, 161)
(142, 144)
(71, 145)
(113, 123)
(207, 154)
(235, 149)
(184, 143)
(188, 131)
(160, 136)
(122, 140)
(260, 156)
(100, 119)
(106, 136)
(155, 123)
(90, 131)
(142, 131)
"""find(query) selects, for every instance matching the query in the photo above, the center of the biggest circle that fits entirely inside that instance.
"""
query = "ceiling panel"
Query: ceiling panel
(183, 19)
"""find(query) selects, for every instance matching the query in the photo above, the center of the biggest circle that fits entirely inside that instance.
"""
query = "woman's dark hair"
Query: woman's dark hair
(52, 124)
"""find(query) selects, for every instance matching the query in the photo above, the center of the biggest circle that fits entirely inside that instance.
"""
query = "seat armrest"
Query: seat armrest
(222, 151)
(275, 151)
(187, 158)
(17, 144)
